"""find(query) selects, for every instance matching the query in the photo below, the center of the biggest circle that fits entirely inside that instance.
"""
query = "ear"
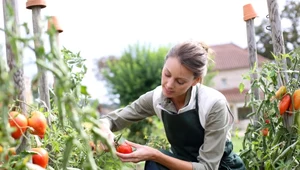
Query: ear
(196, 80)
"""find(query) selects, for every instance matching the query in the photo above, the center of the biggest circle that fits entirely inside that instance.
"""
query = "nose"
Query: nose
(170, 84)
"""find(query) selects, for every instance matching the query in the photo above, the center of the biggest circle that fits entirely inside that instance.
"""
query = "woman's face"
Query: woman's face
(176, 79)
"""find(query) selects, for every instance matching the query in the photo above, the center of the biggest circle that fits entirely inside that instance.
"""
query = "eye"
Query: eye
(167, 74)
(180, 82)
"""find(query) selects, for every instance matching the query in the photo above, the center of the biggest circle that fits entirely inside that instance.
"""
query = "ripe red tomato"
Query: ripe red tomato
(284, 104)
(38, 122)
(265, 131)
(124, 148)
(19, 122)
(267, 121)
(41, 158)
(296, 99)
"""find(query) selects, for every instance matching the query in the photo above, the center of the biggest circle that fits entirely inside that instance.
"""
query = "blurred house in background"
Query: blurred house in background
(231, 63)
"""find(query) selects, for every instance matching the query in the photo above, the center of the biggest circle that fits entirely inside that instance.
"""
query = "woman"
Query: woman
(196, 118)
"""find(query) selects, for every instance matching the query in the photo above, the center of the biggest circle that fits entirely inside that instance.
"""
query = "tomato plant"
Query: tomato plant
(124, 148)
(19, 122)
(65, 138)
(271, 141)
(38, 122)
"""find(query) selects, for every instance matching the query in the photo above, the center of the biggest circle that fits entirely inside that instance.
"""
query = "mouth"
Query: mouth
(168, 92)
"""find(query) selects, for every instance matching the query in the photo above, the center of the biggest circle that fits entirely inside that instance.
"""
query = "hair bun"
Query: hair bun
(204, 46)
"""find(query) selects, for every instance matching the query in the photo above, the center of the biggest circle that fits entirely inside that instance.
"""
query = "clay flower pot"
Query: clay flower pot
(249, 12)
(34, 3)
(53, 21)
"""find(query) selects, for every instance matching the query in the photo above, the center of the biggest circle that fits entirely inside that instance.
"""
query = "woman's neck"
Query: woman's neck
(179, 101)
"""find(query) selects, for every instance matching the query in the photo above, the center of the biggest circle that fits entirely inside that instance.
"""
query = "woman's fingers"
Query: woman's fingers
(131, 157)
(135, 145)
(104, 147)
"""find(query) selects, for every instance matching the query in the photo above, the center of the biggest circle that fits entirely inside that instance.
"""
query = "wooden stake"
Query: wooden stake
(14, 58)
(36, 6)
(249, 16)
(277, 36)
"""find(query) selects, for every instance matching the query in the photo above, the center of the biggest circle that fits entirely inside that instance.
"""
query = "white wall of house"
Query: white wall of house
(227, 79)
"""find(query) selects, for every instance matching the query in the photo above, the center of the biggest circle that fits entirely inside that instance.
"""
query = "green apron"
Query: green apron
(186, 134)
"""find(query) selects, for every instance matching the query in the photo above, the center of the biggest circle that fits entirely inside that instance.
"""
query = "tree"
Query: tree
(137, 71)
(289, 15)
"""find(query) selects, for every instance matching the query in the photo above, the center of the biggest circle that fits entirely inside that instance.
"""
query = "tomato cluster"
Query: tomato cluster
(36, 124)
(288, 103)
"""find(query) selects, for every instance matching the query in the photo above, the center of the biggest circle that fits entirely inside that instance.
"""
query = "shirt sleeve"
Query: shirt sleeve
(216, 128)
(137, 110)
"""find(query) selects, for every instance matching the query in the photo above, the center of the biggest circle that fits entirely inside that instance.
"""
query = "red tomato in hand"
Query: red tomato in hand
(19, 122)
(38, 122)
(41, 158)
(124, 148)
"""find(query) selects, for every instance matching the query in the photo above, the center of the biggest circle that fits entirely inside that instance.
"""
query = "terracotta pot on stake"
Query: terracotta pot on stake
(53, 23)
(249, 12)
(35, 3)
(54, 39)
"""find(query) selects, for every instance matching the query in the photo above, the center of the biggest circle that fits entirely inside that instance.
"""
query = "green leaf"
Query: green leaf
(67, 152)
(241, 87)
(83, 90)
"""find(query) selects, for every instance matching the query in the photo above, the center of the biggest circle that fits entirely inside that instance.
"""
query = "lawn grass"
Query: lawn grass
(237, 143)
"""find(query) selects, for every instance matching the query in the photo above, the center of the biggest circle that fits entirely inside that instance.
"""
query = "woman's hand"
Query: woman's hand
(108, 135)
(140, 153)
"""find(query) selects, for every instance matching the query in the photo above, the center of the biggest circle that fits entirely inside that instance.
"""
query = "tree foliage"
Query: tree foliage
(290, 19)
(137, 71)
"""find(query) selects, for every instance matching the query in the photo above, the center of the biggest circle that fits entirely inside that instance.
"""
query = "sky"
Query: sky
(98, 28)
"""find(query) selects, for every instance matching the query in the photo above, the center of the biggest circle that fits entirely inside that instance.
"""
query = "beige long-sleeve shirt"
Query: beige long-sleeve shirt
(214, 115)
